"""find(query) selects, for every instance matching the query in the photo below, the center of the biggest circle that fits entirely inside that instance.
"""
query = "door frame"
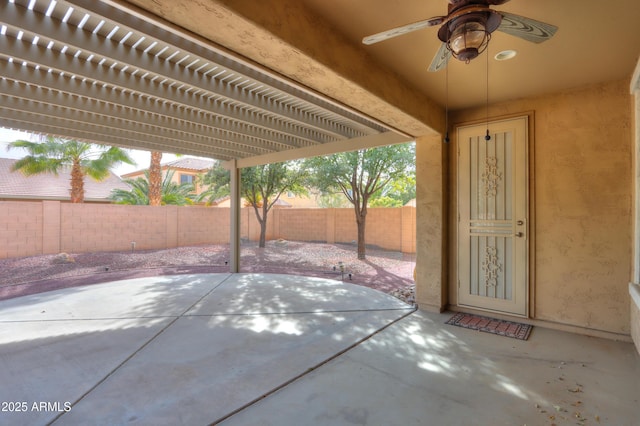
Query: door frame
(455, 211)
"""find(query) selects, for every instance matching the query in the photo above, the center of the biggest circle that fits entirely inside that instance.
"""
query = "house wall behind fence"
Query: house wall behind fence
(50, 227)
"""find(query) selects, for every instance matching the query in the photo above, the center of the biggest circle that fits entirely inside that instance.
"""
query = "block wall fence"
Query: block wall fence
(51, 227)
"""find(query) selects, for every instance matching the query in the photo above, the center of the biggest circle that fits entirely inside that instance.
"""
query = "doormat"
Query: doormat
(511, 329)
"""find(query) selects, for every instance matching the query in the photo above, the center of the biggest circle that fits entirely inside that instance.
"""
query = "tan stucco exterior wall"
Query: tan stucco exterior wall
(175, 178)
(581, 148)
(635, 315)
(431, 223)
(634, 285)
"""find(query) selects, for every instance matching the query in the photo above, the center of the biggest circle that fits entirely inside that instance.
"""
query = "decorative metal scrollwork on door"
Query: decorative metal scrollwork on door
(491, 176)
(491, 267)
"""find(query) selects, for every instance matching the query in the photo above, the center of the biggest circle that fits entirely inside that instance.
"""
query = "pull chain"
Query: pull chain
(487, 136)
(446, 106)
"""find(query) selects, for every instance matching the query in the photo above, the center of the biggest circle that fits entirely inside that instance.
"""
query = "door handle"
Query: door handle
(519, 234)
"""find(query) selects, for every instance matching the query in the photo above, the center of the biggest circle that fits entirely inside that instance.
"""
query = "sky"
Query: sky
(142, 158)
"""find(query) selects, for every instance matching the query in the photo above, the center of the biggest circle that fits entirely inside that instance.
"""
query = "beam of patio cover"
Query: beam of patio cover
(93, 44)
(382, 139)
(106, 72)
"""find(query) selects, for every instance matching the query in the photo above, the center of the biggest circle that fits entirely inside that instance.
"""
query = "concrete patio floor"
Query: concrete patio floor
(260, 349)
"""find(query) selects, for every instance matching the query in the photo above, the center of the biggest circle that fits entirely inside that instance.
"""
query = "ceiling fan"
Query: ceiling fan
(466, 30)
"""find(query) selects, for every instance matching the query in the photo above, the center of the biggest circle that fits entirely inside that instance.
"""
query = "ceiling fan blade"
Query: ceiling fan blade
(526, 28)
(441, 59)
(375, 38)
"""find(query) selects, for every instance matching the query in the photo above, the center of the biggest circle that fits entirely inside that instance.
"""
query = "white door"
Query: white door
(493, 214)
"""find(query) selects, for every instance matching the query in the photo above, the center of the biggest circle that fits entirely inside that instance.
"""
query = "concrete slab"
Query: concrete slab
(172, 350)
(203, 368)
(419, 371)
(56, 362)
(275, 293)
(56, 346)
(281, 350)
(141, 297)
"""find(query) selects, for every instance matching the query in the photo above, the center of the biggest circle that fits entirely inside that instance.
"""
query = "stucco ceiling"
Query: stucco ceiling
(240, 79)
(318, 43)
(597, 41)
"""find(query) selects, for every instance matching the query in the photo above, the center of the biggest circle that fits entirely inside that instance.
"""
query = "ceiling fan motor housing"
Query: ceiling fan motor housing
(468, 34)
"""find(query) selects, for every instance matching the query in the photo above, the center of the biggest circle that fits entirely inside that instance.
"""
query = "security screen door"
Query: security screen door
(492, 221)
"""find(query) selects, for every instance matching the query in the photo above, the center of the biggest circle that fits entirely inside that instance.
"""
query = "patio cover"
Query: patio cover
(103, 72)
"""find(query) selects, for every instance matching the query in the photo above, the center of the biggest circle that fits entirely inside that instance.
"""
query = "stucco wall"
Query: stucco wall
(634, 291)
(431, 223)
(582, 147)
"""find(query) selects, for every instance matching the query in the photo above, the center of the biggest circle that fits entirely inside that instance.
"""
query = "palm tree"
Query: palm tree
(85, 159)
(172, 193)
(155, 179)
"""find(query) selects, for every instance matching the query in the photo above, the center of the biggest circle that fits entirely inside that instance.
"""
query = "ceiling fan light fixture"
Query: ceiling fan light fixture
(468, 40)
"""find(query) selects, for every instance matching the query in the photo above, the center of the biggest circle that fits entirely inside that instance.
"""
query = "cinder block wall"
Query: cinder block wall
(249, 225)
(299, 225)
(389, 228)
(408, 229)
(384, 228)
(202, 225)
(49, 227)
(93, 227)
(20, 229)
(346, 230)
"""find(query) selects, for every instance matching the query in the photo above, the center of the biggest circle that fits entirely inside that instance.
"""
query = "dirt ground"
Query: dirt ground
(387, 271)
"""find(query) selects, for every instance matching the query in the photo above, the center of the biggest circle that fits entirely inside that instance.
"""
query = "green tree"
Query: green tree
(216, 180)
(359, 175)
(171, 192)
(85, 159)
(334, 200)
(262, 186)
(397, 193)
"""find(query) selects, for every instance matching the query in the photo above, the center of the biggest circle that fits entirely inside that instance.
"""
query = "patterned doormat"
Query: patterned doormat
(511, 329)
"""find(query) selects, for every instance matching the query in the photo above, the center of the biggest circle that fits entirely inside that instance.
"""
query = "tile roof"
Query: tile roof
(51, 187)
(197, 164)
(186, 163)
(243, 202)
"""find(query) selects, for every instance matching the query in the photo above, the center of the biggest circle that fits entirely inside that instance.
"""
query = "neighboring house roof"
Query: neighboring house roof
(411, 203)
(196, 164)
(185, 163)
(281, 203)
(48, 186)
(226, 201)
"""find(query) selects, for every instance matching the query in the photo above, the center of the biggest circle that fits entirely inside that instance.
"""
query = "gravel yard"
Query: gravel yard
(387, 271)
